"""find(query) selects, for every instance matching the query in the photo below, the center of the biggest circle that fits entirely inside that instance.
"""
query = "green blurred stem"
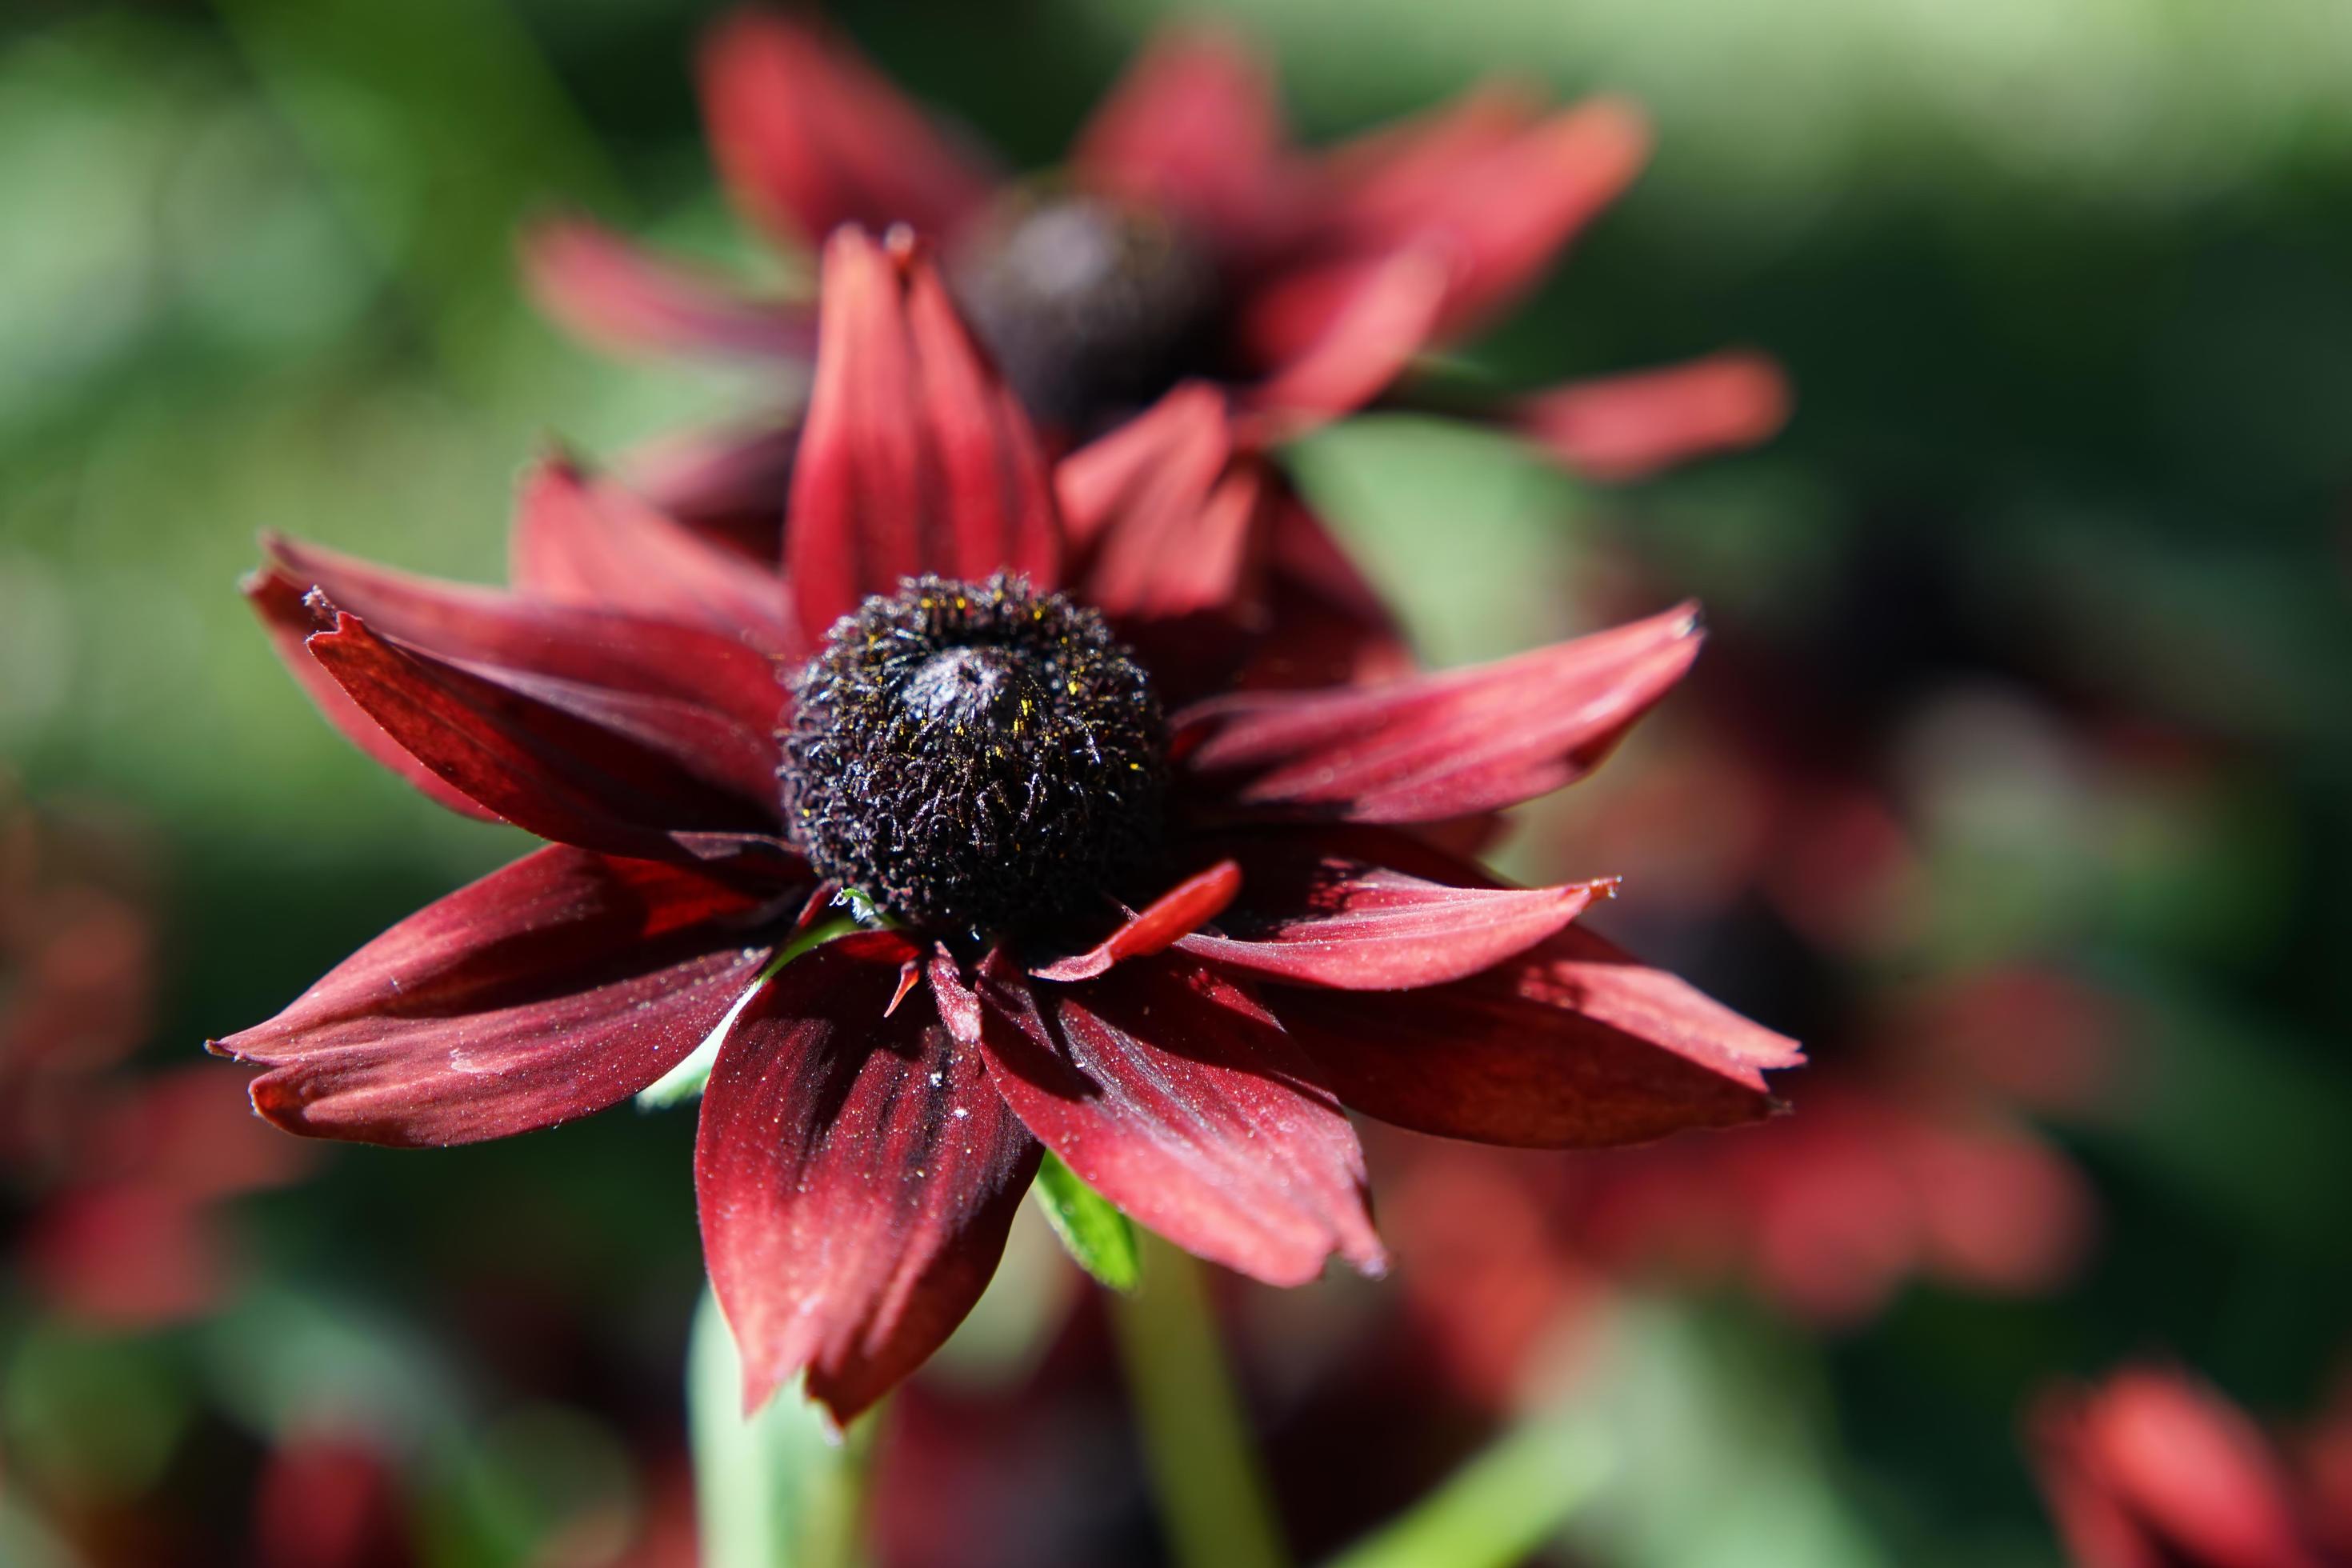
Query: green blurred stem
(779, 1488)
(1500, 1505)
(1213, 1501)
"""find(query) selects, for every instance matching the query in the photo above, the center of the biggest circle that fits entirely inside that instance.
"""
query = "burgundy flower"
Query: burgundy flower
(1166, 934)
(2154, 1468)
(1185, 236)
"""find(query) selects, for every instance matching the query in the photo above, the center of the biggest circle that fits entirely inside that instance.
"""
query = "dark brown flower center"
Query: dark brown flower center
(1092, 306)
(975, 756)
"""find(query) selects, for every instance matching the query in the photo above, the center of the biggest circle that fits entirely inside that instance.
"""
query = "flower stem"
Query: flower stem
(779, 1486)
(1502, 1505)
(1214, 1500)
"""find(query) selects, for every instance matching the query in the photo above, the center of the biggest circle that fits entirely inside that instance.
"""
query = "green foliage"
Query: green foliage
(1098, 1239)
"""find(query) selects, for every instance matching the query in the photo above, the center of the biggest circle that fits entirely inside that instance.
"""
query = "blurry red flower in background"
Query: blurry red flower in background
(1185, 236)
(877, 1108)
(119, 1173)
(2153, 1468)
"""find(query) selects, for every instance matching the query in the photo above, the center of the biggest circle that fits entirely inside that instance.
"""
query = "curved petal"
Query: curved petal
(1337, 334)
(726, 485)
(609, 291)
(1432, 746)
(580, 765)
(808, 136)
(1175, 1096)
(486, 628)
(1195, 125)
(856, 1175)
(1502, 206)
(1186, 907)
(2157, 1467)
(1571, 1044)
(1163, 459)
(1386, 179)
(579, 542)
(1324, 909)
(289, 619)
(557, 986)
(915, 458)
(1624, 427)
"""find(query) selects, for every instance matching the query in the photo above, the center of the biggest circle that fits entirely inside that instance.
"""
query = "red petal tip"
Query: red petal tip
(909, 973)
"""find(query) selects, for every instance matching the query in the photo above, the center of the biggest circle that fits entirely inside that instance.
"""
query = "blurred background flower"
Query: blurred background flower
(2013, 783)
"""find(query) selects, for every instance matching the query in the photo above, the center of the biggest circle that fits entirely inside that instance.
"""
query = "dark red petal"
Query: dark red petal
(1624, 427)
(562, 985)
(580, 765)
(1185, 557)
(591, 647)
(915, 457)
(727, 485)
(1185, 906)
(290, 620)
(1168, 517)
(808, 136)
(1432, 746)
(590, 543)
(1338, 334)
(1502, 209)
(1327, 624)
(611, 292)
(1315, 912)
(1167, 454)
(1571, 1044)
(1194, 126)
(1167, 1090)
(856, 1175)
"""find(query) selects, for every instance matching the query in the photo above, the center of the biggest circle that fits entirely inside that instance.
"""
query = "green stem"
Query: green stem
(1213, 1499)
(1500, 1505)
(780, 1488)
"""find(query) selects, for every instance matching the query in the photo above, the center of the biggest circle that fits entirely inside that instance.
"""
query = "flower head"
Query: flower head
(1184, 236)
(1150, 897)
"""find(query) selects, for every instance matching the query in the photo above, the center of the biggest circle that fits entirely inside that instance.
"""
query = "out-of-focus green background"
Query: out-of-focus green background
(2065, 292)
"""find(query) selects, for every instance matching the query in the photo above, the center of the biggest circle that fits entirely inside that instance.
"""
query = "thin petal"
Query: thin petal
(856, 1176)
(808, 136)
(1338, 335)
(290, 620)
(1503, 210)
(578, 765)
(727, 485)
(1323, 909)
(1194, 126)
(1175, 1096)
(586, 647)
(1624, 427)
(562, 985)
(1571, 1044)
(611, 292)
(1434, 746)
(916, 458)
(579, 542)
(1387, 179)
(1169, 455)
(1184, 908)
(1169, 516)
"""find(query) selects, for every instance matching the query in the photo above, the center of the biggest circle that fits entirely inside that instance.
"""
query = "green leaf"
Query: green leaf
(778, 1487)
(686, 1080)
(1095, 1235)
